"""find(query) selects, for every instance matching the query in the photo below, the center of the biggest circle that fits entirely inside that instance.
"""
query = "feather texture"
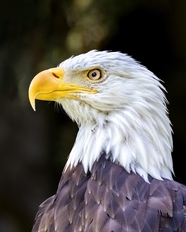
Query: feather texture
(108, 198)
(127, 115)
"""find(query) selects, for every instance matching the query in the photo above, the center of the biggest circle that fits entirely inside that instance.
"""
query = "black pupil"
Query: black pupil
(94, 74)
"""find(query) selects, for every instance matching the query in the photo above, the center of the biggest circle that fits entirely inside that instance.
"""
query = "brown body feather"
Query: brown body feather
(109, 199)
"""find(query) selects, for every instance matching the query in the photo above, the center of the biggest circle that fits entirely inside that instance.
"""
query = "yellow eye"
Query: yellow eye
(94, 74)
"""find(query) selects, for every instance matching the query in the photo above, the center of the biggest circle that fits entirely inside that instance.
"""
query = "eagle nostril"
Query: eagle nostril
(55, 75)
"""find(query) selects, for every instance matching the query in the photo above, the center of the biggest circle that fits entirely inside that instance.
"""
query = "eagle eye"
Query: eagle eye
(94, 74)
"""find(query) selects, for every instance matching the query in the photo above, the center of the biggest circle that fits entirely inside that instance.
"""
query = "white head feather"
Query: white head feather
(127, 118)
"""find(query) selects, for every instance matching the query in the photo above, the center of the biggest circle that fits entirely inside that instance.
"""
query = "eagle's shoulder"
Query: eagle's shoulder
(110, 199)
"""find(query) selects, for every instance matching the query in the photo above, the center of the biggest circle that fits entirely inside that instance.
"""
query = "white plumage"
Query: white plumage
(127, 115)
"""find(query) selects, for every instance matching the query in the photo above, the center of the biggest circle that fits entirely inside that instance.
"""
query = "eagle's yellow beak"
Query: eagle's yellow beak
(48, 85)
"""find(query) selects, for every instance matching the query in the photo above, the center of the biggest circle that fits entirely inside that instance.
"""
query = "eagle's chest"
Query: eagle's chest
(110, 199)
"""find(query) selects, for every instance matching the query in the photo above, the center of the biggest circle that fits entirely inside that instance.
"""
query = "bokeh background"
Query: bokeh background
(36, 35)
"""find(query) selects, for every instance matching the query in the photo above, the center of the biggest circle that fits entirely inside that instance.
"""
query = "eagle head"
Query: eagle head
(119, 106)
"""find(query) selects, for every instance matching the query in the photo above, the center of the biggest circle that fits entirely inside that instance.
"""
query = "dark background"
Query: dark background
(37, 35)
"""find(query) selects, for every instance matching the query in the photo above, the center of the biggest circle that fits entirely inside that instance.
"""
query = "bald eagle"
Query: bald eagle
(118, 176)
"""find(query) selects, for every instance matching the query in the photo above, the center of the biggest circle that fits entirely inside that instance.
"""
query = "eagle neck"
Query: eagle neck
(132, 141)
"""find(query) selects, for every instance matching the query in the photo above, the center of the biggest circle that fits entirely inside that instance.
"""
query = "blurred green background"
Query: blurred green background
(36, 35)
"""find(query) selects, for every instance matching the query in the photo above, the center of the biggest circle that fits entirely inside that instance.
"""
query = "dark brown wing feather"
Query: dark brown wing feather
(109, 199)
